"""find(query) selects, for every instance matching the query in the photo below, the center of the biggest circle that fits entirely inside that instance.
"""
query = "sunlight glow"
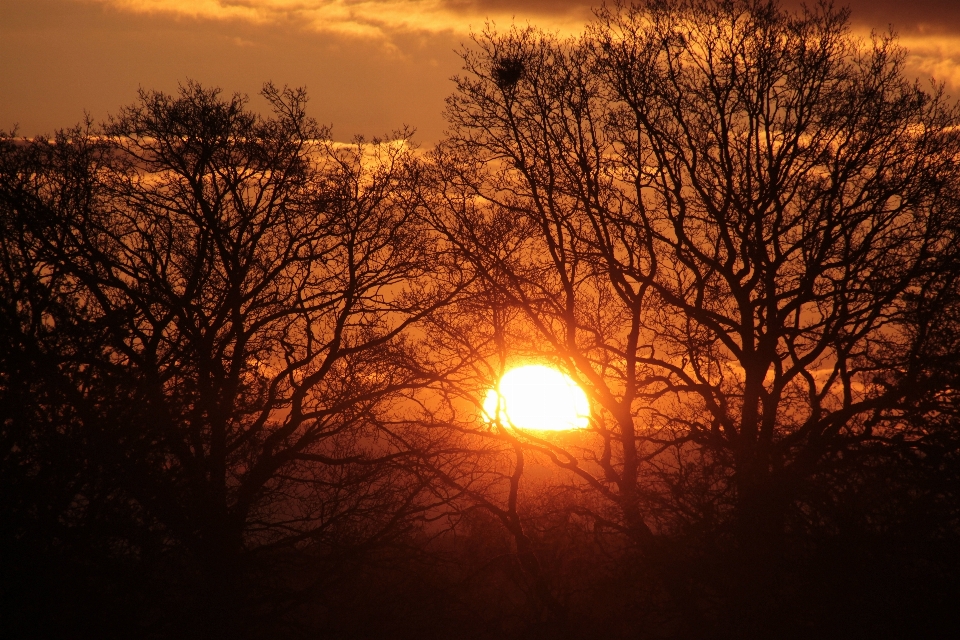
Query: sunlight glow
(539, 398)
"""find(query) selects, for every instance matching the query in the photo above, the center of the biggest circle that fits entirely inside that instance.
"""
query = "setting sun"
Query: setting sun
(538, 397)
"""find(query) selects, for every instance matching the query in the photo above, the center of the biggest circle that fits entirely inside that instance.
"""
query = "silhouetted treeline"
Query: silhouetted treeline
(241, 365)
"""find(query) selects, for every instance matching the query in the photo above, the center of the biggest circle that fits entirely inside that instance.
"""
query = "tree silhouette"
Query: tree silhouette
(242, 366)
(250, 284)
(715, 216)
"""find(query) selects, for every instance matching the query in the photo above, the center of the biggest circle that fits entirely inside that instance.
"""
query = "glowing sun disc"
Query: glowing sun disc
(537, 397)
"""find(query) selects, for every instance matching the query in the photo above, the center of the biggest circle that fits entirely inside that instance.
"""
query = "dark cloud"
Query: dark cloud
(904, 15)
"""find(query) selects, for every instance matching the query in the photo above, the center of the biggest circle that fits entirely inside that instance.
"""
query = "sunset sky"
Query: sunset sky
(370, 65)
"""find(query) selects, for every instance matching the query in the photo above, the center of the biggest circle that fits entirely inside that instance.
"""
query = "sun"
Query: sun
(539, 398)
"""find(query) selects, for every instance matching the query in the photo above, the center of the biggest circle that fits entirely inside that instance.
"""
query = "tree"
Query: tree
(250, 288)
(714, 214)
(58, 516)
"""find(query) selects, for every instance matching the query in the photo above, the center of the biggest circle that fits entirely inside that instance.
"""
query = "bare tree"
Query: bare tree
(712, 214)
(257, 284)
(58, 515)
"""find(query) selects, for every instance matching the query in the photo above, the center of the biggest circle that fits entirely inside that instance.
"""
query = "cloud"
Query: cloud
(930, 29)
(934, 56)
(377, 17)
(915, 16)
(370, 18)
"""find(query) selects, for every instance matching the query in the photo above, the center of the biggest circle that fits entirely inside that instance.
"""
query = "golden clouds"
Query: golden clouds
(931, 54)
(366, 18)
(934, 56)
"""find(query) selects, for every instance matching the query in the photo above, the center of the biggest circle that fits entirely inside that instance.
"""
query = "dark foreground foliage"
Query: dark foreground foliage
(241, 365)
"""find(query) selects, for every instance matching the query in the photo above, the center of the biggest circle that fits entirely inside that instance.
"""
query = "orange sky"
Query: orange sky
(370, 65)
